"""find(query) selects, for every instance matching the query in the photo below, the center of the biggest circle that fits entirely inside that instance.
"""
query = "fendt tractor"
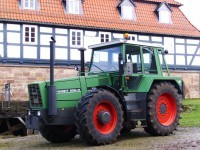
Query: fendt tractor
(123, 88)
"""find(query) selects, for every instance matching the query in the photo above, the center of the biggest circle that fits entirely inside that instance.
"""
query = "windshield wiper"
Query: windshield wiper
(97, 67)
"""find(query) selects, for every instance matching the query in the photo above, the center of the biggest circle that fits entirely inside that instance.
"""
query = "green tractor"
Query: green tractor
(124, 88)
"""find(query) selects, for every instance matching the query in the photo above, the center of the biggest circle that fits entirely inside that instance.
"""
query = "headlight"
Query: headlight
(29, 112)
(38, 113)
(179, 82)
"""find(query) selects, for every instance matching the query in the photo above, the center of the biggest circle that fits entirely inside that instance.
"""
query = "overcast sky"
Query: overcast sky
(191, 9)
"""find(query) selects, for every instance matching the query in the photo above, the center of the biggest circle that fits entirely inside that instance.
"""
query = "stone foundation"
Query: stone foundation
(191, 81)
(19, 76)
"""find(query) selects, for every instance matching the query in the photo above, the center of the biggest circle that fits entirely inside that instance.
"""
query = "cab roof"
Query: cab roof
(123, 41)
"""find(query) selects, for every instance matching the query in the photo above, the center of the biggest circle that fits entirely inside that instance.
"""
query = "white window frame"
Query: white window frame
(24, 34)
(105, 39)
(131, 36)
(33, 7)
(76, 38)
(73, 6)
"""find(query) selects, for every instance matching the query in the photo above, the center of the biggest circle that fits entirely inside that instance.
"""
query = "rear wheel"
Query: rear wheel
(58, 134)
(163, 109)
(99, 117)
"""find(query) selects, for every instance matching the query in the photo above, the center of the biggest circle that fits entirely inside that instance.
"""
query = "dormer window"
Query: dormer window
(127, 9)
(29, 4)
(165, 17)
(73, 6)
(164, 13)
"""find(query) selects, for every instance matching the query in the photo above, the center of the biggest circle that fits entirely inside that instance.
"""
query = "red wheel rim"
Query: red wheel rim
(166, 109)
(110, 126)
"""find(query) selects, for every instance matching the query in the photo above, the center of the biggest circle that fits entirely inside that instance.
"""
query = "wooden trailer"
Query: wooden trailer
(12, 114)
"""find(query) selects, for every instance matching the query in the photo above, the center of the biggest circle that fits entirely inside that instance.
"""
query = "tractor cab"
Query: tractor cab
(137, 58)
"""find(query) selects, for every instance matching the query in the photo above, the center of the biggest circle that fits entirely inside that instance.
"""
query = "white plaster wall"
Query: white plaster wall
(13, 51)
(13, 27)
(46, 29)
(169, 44)
(60, 31)
(1, 26)
(90, 33)
(61, 53)
(61, 40)
(156, 39)
(44, 53)
(74, 54)
(30, 52)
(143, 38)
(44, 39)
(1, 36)
(1, 50)
(13, 37)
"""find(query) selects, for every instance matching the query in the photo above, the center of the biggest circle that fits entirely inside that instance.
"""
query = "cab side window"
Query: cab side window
(149, 61)
(133, 57)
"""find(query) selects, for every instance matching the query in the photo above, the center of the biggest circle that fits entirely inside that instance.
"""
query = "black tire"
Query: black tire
(58, 134)
(127, 127)
(163, 109)
(88, 124)
(125, 130)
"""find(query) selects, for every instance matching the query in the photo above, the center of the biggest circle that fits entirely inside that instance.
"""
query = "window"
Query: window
(133, 57)
(127, 12)
(29, 4)
(73, 6)
(127, 9)
(132, 37)
(164, 17)
(149, 61)
(104, 37)
(105, 59)
(30, 34)
(164, 13)
(76, 37)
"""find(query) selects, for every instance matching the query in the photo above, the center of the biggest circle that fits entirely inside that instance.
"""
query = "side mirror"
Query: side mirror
(165, 52)
(76, 68)
(129, 68)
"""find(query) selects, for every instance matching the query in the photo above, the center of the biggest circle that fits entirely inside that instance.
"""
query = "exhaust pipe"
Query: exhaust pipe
(82, 61)
(51, 89)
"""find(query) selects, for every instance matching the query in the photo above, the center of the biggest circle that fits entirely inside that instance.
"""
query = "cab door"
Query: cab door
(140, 64)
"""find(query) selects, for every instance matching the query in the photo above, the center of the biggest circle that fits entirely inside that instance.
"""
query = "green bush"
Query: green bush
(190, 113)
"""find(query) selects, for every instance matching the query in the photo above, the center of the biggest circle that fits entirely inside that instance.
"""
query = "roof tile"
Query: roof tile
(168, 1)
(101, 14)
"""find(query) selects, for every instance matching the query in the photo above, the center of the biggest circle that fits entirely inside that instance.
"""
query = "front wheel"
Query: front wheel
(57, 133)
(99, 117)
(163, 109)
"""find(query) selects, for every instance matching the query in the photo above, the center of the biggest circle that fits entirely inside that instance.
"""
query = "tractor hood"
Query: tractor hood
(69, 89)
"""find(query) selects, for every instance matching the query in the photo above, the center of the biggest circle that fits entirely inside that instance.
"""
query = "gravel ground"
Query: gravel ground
(182, 138)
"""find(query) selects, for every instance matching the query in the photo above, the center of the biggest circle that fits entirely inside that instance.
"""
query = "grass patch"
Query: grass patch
(191, 113)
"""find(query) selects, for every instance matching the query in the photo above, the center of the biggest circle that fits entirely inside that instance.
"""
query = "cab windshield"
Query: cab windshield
(105, 60)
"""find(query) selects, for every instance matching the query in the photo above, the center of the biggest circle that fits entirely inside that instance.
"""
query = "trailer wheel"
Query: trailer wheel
(58, 134)
(99, 117)
(163, 109)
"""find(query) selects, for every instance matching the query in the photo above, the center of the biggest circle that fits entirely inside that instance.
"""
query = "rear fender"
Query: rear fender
(179, 88)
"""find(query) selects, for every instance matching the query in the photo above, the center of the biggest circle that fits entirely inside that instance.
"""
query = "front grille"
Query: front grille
(34, 95)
